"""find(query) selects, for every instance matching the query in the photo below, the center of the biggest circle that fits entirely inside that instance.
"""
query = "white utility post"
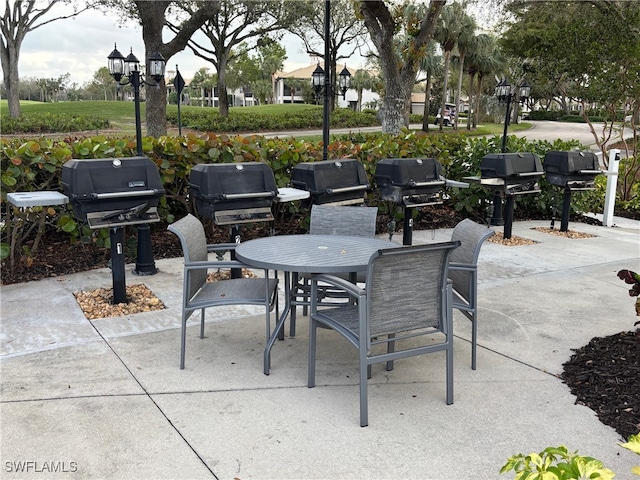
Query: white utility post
(612, 184)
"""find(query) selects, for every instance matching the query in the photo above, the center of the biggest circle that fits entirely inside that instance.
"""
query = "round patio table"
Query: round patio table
(307, 254)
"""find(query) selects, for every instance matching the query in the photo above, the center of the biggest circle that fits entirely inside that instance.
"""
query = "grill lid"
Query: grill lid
(332, 181)
(411, 181)
(233, 193)
(112, 192)
(510, 165)
(572, 170)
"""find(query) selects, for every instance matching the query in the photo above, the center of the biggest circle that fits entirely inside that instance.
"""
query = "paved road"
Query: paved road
(540, 130)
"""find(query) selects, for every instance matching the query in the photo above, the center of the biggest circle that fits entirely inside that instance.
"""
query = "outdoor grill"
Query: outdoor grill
(508, 175)
(332, 182)
(411, 183)
(234, 193)
(572, 171)
(113, 193)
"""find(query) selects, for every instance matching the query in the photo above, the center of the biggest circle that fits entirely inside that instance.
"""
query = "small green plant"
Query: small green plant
(633, 279)
(556, 463)
(634, 445)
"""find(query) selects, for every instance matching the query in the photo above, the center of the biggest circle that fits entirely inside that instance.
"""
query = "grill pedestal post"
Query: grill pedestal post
(145, 264)
(566, 210)
(407, 226)
(508, 216)
(116, 236)
(496, 218)
(235, 238)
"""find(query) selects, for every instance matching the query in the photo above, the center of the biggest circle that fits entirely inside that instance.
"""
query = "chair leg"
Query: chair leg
(311, 369)
(364, 404)
(294, 296)
(307, 284)
(202, 323)
(391, 347)
(183, 341)
(449, 373)
(474, 338)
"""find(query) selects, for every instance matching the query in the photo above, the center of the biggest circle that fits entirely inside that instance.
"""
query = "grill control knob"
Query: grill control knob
(117, 163)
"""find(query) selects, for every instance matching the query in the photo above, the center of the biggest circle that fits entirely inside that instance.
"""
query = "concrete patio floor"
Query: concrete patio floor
(106, 399)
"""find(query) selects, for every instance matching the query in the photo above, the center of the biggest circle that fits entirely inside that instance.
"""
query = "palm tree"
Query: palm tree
(361, 80)
(431, 64)
(467, 32)
(447, 33)
(483, 58)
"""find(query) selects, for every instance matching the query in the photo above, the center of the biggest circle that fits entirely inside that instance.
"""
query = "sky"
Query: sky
(80, 46)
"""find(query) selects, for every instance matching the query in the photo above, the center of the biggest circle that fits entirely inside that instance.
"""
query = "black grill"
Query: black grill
(508, 175)
(413, 182)
(410, 182)
(572, 171)
(113, 192)
(332, 182)
(511, 173)
(234, 193)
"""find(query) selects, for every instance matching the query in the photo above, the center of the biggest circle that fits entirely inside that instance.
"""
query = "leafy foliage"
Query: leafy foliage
(556, 463)
(248, 119)
(50, 123)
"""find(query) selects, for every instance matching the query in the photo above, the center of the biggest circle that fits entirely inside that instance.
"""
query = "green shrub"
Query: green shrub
(251, 120)
(51, 123)
(36, 165)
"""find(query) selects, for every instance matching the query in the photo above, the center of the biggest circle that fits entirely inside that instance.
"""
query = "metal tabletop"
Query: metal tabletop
(311, 253)
(295, 254)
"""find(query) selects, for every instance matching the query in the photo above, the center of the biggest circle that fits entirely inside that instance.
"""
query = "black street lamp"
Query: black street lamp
(129, 68)
(506, 94)
(321, 80)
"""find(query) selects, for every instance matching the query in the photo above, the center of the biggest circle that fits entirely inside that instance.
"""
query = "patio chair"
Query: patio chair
(332, 220)
(198, 294)
(463, 272)
(407, 298)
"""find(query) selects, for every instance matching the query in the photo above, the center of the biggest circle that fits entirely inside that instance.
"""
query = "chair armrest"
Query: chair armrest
(463, 266)
(215, 247)
(213, 264)
(347, 286)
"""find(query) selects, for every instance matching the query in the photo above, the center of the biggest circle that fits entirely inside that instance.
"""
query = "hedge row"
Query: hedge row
(36, 165)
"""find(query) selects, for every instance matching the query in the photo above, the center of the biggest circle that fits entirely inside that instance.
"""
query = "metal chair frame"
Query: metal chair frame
(198, 294)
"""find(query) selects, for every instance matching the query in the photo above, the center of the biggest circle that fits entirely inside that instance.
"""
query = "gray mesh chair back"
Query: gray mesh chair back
(407, 300)
(463, 272)
(333, 220)
(198, 294)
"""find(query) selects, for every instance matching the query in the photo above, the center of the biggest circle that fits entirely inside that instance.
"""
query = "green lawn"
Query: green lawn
(121, 114)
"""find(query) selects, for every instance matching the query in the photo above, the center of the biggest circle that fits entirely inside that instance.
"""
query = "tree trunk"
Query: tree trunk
(459, 89)
(398, 82)
(476, 116)
(9, 60)
(427, 104)
(471, 108)
(152, 18)
(223, 100)
(447, 59)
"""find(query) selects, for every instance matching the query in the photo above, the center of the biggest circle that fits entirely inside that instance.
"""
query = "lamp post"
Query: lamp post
(127, 71)
(506, 94)
(321, 80)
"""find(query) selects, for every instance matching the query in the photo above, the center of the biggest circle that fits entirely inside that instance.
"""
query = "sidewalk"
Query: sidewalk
(106, 399)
